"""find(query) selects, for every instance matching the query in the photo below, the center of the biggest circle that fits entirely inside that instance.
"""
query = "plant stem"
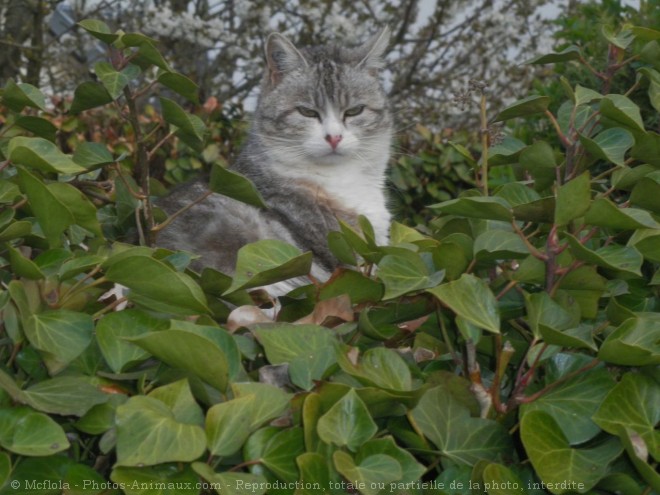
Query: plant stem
(565, 141)
(501, 363)
(555, 384)
(142, 162)
(445, 336)
(507, 288)
(532, 249)
(483, 179)
(109, 308)
(599, 75)
(160, 143)
(483, 396)
(172, 217)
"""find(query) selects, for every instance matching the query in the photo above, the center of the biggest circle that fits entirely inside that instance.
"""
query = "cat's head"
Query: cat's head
(323, 105)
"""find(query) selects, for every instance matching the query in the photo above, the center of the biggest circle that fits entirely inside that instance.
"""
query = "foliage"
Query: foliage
(511, 347)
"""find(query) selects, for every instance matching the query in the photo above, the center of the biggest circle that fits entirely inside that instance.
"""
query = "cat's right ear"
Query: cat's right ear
(281, 57)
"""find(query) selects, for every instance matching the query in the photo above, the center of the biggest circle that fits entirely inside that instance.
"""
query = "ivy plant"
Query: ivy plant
(509, 346)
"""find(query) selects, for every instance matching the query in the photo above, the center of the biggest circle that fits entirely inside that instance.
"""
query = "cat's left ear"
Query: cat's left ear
(374, 49)
(282, 56)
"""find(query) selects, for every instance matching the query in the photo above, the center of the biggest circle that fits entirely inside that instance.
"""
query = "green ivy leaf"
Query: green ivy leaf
(54, 471)
(500, 480)
(29, 433)
(634, 403)
(622, 39)
(572, 404)
(505, 152)
(604, 213)
(148, 434)
(611, 144)
(88, 95)
(555, 461)
(188, 351)
(406, 272)
(22, 266)
(358, 287)
(279, 453)
(313, 469)
(181, 85)
(82, 209)
(487, 208)
(573, 199)
(623, 111)
(614, 257)
(267, 262)
(41, 154)
(38, 126)
(634, 446)
(524, 107)
(308, 349)
(191, 129)
(646, 193)
(498, 244)
(21, 95)
(570, 53)
(580, 337)
(234, 185)
(372, 470)
(61, 335)
(472, 299)
(92, 155)
(158, 285)
(461, 438)
(270, 401)
(230, 483)
(179, 399)
(347, 423)
(113, 80)
(64, 395)
(411, 470)
(113, 330)
(636, 342)
(228, 425)
(379, 367)
(99, 30)
(584, 95)
(540, 160)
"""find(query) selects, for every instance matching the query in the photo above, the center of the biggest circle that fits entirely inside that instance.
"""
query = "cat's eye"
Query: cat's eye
(353, 112)
(308, 112)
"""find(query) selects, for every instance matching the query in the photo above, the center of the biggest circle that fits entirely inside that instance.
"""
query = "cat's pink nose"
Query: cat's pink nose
(333, 140)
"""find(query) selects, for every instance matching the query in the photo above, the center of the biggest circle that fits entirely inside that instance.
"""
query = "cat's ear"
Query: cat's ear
(373, 50)
(282, 56)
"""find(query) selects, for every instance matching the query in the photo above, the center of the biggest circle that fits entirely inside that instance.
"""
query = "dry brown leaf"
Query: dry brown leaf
(244, 316)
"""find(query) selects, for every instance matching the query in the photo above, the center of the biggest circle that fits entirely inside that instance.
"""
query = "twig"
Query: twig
(566, 142)
(160, 143)
(142, 161)
(532, 249)
(555, 384)
(109, 307)
(599, 75)
(173, 216)
(480, 392)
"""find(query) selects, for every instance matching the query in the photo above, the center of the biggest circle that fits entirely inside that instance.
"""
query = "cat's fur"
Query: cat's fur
(311, 170)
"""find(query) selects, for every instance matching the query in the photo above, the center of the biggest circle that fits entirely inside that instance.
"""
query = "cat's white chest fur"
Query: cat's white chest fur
(356, 184)
(362, 192)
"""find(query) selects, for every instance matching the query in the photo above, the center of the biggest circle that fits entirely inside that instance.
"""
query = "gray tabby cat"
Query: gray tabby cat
(317, 152)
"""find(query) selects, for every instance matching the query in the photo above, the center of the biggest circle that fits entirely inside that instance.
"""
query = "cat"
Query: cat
(317, 151)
